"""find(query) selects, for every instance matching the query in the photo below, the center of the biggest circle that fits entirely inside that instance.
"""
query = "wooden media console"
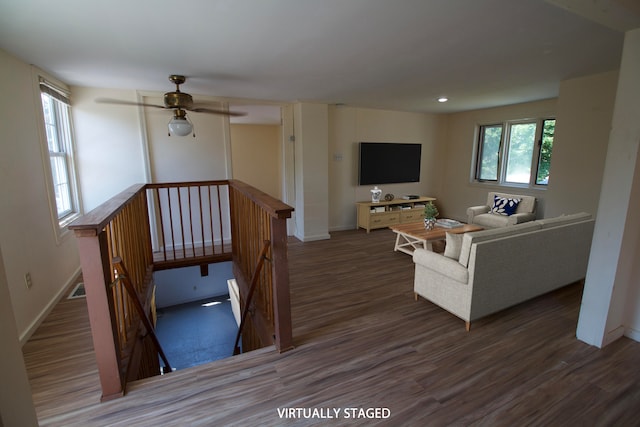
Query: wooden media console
(389, 212)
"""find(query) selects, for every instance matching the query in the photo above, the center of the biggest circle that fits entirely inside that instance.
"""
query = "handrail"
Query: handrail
(270, 205)
(99, 217)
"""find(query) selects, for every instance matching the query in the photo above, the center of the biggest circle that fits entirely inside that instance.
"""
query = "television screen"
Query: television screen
(388, 163)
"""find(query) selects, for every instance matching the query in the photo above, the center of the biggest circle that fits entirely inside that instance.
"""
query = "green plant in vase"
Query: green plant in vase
(430, 214)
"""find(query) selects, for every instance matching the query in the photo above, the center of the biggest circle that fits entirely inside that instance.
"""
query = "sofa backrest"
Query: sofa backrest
(527, 203)
(564, 219)
(494, 233)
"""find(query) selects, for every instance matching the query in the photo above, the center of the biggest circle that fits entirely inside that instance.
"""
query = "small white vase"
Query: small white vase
(429, 223)
(375, 195)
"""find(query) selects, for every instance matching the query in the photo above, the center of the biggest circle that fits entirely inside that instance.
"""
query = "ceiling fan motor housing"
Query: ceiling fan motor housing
(178, 100)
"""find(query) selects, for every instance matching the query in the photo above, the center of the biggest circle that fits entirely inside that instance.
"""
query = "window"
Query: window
(546, 145)
(516, 153)
(56, 113)
(490, 137)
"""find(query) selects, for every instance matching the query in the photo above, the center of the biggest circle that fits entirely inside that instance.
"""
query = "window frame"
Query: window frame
(539, 142)
(504, 151)
(63, 127)
(480, 152)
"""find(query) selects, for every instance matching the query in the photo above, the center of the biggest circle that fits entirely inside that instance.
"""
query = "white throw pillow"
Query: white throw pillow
(453, 245)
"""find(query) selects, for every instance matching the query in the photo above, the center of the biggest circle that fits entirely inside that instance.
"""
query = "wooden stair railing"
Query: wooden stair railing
(190, 223)
(248, 303)
(257, 217)
(123, 275)
(117, 228)
(234, 217)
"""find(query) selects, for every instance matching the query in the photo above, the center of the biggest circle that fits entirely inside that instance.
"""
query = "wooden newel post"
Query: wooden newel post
(96, 274)
(281, 297)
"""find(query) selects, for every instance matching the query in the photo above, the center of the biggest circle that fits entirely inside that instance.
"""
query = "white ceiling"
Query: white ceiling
(393, 54)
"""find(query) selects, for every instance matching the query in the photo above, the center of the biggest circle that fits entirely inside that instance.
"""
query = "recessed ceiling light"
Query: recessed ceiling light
(443, 99)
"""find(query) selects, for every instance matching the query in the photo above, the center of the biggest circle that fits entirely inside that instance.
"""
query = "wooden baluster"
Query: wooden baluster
(220, 219)
(162, 241)
(204, 246)
(193, 244)
(213, 240)
(173, 239)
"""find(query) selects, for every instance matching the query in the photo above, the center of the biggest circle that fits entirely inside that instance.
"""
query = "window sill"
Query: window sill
(64, 222)
(505, 185)
(62, 230)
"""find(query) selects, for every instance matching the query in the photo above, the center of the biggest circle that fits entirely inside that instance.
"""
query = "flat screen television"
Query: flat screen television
(388, 163)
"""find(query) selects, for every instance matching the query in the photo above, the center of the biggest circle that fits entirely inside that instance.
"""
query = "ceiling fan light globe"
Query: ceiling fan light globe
(180, 127)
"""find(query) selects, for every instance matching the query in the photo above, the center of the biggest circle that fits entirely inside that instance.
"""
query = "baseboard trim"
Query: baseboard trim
(634, 334)
(314, 237)
(62, 292)
(343, 228)
(613, 335)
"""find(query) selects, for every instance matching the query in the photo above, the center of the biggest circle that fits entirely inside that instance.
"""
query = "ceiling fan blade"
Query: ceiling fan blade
(121, 102)
(218, 111)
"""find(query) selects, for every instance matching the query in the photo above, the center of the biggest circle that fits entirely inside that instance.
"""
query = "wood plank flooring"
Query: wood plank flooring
(361, 342)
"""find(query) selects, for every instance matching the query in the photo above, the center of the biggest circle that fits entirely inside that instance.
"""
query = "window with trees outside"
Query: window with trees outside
(56, 112)
(516, 153)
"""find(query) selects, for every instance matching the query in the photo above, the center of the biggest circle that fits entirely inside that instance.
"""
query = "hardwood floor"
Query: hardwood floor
(361, 342)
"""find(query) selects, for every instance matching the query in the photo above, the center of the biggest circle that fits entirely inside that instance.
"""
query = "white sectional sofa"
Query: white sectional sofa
(487, 271)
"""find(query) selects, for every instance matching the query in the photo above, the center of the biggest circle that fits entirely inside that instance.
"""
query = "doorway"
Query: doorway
(262, 150)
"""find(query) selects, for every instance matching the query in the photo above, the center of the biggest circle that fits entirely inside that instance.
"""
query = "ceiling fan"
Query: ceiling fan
(180, 103)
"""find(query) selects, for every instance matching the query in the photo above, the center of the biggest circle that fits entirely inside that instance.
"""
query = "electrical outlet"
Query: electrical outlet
(27, 280)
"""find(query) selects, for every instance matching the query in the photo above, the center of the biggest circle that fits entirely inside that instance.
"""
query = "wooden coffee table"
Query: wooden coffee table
(413, 235)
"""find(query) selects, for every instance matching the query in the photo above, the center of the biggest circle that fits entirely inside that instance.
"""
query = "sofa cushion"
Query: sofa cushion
(490, 220)
(504, 205)
(495, 233)
(453, 245)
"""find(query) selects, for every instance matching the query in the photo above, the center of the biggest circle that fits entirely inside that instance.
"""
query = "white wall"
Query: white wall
(632, 303)
(181, 285)
(583, 112)
(109, 147)
(311, 171)
(16, 404)
(185, 158)
(585, 108)
(27, 236)
(112, 150)
(459, 190)
(256, 157)
(350, 125)
(610, 303)
(630, 300)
